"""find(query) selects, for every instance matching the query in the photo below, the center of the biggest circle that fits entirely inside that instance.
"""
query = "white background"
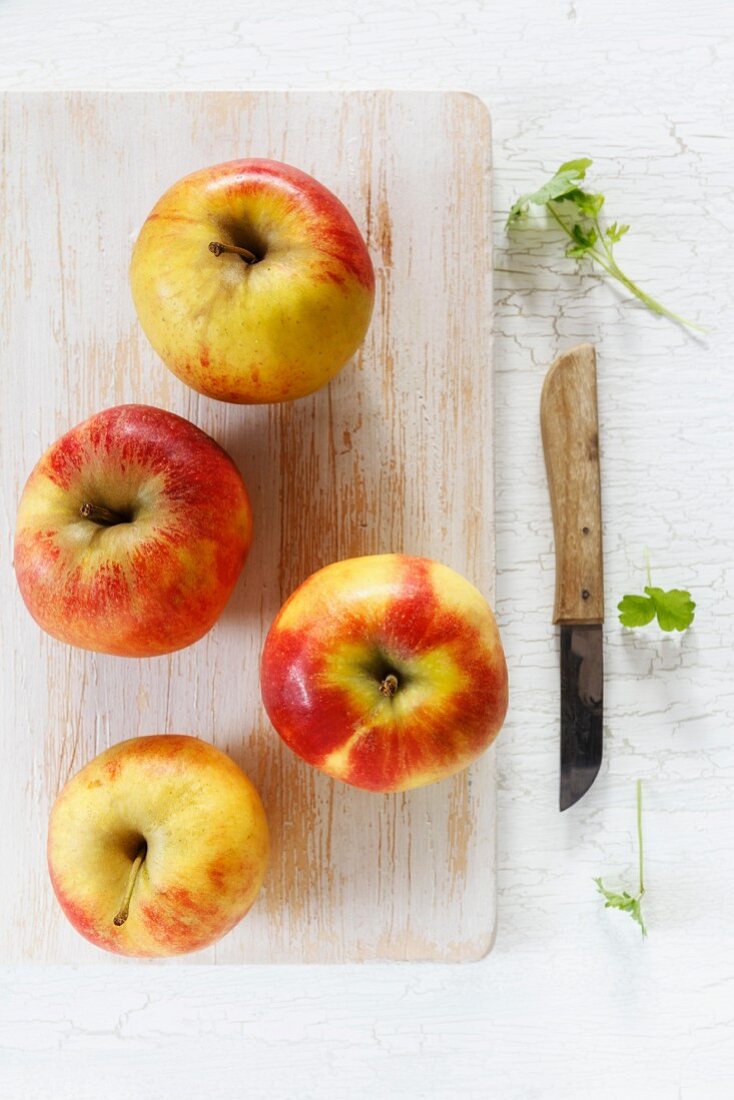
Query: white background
(571, 1003)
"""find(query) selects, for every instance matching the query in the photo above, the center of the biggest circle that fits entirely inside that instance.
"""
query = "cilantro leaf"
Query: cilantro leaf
(624, 901)
(587, 204)
(585, 241)
(615, 232)
(580, 165)
(675, 610)
(588, 239)
(636, 610)
(556, 187)
(629, 903)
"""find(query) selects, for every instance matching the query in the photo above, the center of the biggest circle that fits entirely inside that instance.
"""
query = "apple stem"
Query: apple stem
(131, 880)
(217, 248)
(389, 685)
(105, 517)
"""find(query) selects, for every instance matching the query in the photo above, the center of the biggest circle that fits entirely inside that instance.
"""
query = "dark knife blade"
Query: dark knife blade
(582, 698)
(569, 423)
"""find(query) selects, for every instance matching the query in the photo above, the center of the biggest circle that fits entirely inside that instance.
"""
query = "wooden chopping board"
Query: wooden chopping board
(396, 454)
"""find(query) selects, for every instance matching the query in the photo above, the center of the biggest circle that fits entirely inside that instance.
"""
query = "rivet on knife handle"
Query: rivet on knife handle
(570, 431)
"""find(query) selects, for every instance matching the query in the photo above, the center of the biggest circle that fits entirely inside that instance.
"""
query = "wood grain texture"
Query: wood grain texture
(395, 455)
(645, 90)
(570, 428)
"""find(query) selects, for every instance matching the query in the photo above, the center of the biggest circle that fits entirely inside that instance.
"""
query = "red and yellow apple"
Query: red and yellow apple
(386, 672)
(132, 530)
(252, 282)
(158, 846)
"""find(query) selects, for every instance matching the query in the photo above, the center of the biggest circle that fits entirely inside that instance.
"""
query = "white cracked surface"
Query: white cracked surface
(570, 1003)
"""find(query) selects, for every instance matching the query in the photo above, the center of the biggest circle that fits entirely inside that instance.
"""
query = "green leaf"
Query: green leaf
(586, 204)
(624, 902)
(579, 166)
(562, 188)
(615, 232)
(675, 609)
(636, 610)
(585, 241)
(590, 204)
(584, 238)
(558, 185)
(571, 196)
(636, 914)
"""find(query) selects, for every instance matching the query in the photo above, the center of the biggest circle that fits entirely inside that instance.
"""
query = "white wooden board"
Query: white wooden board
(395, 455)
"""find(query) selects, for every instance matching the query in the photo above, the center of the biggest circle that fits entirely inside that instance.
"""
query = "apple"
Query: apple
(158, 846)
(386, 672)
(252, 282)
(132, 530)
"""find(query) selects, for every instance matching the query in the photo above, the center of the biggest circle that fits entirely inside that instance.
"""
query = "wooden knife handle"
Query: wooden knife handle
(570, 428)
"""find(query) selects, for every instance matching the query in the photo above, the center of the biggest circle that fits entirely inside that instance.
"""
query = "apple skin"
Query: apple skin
(252, 333)
(145, 587)
(344, 631)
(207, 846)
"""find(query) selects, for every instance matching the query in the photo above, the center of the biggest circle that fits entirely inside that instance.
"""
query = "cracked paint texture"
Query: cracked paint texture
(644, 89)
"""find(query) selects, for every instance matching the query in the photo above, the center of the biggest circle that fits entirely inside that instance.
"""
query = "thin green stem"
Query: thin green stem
(647, 567)
(603, 239)
(639, 834)
(651, 303)
(560, 221)
(612, 268)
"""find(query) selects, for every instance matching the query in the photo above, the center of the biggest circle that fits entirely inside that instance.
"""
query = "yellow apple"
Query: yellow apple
(158, 846)
(252, 282)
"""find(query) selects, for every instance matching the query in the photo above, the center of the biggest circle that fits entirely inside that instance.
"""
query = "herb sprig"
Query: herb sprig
(629, 903)
(561, 196)
(674, 610)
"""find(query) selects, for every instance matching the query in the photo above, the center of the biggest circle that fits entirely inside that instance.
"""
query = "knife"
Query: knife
(570, 429)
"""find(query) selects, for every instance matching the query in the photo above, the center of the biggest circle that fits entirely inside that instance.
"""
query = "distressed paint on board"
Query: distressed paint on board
(395, 455)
